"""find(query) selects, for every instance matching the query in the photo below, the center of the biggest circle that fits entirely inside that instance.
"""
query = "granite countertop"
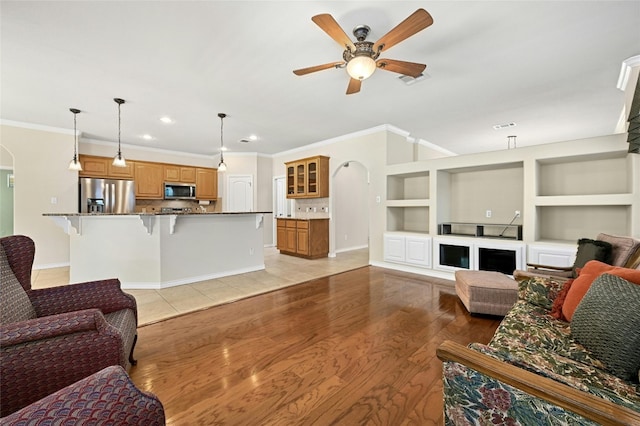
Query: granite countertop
(153, 214)
(303, 218)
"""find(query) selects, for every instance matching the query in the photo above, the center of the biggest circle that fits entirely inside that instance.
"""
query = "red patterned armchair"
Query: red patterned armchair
(53, 337)
(107, 397)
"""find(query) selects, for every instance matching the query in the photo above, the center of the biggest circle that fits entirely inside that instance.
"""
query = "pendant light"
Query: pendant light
(118, 160)
(222, 167)
(74, 164)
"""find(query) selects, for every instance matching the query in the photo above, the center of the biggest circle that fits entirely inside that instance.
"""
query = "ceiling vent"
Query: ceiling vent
(408, 80)
(504, 126)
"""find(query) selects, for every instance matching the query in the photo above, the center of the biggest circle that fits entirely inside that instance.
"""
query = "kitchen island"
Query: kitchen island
(159, 250)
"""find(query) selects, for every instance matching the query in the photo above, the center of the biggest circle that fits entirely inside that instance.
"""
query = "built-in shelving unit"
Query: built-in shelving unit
(562, 192)
(580, 195)
(408, 202)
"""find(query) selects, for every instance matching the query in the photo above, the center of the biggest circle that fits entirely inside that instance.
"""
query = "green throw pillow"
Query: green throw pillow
(607, 323)
(591, 250)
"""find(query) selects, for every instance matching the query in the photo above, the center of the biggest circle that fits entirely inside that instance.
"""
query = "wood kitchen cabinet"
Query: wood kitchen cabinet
(149, 182)
(286, 238)
(150, 177)
(307, 238)
(308, 177)
(102, 167)
(206, 184)
(179, 174)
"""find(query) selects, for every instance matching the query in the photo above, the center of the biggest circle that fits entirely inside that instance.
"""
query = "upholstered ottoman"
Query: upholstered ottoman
(486, 292)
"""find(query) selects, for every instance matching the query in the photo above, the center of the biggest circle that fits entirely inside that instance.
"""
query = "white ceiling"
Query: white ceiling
(549, 66)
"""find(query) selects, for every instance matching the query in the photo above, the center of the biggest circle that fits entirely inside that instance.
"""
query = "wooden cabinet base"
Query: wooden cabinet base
(307, 238)
(318, 256)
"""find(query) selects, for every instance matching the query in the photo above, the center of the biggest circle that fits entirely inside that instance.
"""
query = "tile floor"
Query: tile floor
(280, 271)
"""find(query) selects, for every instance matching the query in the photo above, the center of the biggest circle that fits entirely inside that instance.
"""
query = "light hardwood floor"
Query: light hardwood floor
(280, 271)
(353, 348)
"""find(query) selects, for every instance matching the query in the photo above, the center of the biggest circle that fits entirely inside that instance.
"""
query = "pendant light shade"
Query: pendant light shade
(118, 160)
(74, 164)
(222, 167)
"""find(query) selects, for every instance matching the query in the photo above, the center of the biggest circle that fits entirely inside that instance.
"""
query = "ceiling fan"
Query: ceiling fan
(361, 57)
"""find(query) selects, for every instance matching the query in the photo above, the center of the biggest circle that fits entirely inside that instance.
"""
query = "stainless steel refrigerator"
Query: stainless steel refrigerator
(106, 196)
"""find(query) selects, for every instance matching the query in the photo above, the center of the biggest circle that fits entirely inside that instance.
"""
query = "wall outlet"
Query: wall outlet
(517, 213)
(488, 213)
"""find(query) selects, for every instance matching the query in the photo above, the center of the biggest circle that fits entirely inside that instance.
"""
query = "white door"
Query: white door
(281, 198)
(240, 193)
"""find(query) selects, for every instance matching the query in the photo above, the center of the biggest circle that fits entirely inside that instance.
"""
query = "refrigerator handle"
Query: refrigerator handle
(107, 198)
(112, 198)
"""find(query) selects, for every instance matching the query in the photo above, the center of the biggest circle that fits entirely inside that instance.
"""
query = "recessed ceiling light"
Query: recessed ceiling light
(166, 120)
(253, 138)
(224, 148)
(147, 137)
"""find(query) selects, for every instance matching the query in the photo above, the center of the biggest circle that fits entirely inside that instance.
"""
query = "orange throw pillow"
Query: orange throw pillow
(592, 270)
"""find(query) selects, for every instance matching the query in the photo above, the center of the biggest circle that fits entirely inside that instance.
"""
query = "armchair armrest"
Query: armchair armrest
(108, 394)
(42, 355)
(557, 394)
(105, 295)
(51, 326)
(520, 275)
(550, 267)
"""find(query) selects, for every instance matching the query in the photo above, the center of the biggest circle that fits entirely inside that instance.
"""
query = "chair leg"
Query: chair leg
(132, 360)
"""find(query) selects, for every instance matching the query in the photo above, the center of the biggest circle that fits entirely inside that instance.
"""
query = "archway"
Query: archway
(349, 226)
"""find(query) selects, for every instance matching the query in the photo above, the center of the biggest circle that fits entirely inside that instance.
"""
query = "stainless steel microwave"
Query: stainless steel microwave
(179, 191)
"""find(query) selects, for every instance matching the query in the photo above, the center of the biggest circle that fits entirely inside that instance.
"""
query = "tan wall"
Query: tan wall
(368, 149)
(41, 158)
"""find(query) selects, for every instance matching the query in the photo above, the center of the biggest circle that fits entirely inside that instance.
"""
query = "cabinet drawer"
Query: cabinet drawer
(303, 224)
(291, 223)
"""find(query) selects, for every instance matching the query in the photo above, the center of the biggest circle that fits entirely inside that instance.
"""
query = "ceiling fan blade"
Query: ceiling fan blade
(416, 22)
(354, 86)
(309, 70)
(401, 67)
(331, 27)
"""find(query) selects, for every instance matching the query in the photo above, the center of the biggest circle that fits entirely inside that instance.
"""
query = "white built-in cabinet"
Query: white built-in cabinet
(409, 249)
(563, 191)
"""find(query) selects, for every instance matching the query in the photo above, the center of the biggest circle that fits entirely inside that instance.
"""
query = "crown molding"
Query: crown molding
(32, 126)
(625, 71)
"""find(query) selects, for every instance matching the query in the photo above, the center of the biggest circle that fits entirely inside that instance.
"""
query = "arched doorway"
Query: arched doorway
(349, 207)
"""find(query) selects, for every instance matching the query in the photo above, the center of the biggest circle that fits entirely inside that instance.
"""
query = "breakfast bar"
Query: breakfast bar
(159, 250)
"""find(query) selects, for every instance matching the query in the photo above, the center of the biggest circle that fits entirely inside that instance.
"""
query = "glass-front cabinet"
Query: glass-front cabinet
(308, 178)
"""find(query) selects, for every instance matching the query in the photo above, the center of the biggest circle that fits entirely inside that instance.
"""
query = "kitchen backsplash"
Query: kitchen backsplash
(312, 208)
(155, 206)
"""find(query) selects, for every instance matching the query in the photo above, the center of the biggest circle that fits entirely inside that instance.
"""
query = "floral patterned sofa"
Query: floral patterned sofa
(534, 371)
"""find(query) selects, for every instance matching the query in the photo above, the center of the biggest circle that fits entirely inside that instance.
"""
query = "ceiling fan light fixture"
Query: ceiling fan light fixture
(361, 67)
